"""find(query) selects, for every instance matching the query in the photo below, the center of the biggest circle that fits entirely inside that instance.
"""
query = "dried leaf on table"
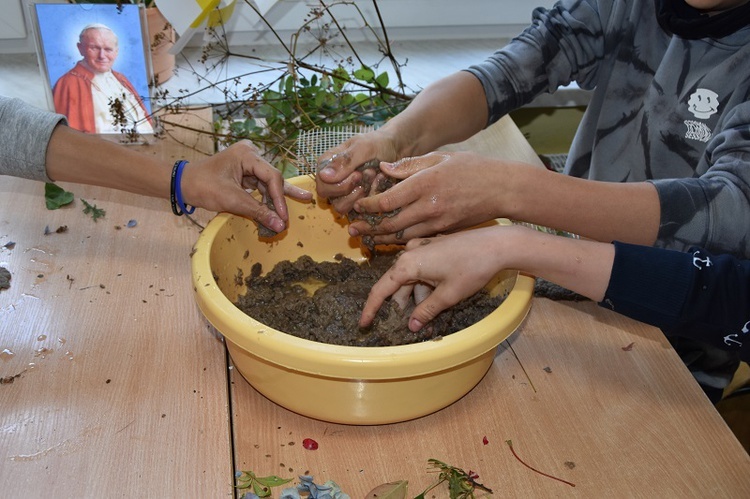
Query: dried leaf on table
(391, 490)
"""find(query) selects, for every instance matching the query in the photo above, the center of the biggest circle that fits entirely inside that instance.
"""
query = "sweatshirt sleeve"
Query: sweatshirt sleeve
(25, 132)
(713, 210)
(693, 294)
(562, 44)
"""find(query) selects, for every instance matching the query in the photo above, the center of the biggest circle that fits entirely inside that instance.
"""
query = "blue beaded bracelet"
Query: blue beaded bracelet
(175, 192)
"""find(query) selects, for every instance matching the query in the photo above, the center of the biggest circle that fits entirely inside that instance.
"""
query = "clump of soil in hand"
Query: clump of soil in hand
(374, 183)
(264, 231)
(330, 314)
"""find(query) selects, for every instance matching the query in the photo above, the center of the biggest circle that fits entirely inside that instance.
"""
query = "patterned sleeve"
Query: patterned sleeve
(561, 45)
(692, 294)
(719, 201)
(25, 132)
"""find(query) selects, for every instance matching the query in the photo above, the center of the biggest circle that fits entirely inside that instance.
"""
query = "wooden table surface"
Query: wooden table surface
(114, 384)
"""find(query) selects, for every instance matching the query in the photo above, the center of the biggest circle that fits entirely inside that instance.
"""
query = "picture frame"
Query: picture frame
(96, 66)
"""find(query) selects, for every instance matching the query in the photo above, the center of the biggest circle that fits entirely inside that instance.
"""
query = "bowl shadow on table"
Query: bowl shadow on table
(363, 385)
(581, 358)
(735, 409)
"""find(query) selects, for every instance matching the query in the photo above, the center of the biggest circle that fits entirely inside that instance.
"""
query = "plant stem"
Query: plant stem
(510, 444)
(387, 49)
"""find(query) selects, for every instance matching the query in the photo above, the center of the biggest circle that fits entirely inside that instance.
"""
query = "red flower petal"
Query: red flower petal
(485, 441)
(309, 444)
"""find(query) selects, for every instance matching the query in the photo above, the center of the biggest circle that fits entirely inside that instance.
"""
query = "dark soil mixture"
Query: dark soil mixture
(5, 277)
(546, 289)
(380, 183)
(331, 314)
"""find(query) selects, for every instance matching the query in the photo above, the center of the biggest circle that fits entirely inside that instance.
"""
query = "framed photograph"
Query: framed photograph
(96, 64)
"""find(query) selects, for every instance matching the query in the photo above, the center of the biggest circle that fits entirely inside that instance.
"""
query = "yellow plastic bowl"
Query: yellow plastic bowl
(339, 384)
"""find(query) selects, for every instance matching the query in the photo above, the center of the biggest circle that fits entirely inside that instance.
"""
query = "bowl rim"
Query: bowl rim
(340, 361)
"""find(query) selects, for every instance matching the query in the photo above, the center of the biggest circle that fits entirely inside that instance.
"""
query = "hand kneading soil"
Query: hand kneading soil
(323, 301)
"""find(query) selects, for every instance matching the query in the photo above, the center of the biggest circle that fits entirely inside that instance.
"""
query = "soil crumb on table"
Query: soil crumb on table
(323, 301)
(5, 277)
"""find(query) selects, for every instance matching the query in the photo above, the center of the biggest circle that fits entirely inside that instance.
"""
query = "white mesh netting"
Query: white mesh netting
(312, 143)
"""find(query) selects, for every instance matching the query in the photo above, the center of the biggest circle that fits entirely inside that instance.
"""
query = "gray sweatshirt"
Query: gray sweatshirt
(25, 132)
(667, 110)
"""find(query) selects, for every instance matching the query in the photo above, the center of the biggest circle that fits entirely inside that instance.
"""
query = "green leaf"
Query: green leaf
(244, 479)
(286, 109)
(271, 96)
(340, 78)
(56, 197)
(364, 73)
(260, 489)
(330, 100)
(272, 480)
(261, 485)
(325, 82)
(391, 490)
(289, 85)
(249, 124)
(287, 168)
(382, 80)
(92, 210)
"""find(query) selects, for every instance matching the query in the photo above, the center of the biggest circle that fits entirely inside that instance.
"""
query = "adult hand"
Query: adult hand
(455, 265)
(342, 176)
(221, 183)
(439, 192)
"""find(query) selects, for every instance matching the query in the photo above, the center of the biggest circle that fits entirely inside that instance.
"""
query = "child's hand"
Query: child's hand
(455, 266)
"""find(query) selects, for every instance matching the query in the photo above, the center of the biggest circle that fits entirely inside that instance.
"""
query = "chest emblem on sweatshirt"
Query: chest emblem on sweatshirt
(703, 103)
(697, 131)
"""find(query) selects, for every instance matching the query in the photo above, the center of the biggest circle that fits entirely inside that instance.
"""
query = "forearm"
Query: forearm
(693, 294)
(448, 111)
(105, 164)
(603, 211)
(578, 265)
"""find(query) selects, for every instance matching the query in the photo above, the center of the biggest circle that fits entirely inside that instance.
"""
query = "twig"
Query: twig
(510, 444)
(387, 46)
(342, 31)
(522, 368)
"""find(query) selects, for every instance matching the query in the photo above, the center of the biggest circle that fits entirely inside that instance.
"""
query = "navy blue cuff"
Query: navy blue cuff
(649, 284)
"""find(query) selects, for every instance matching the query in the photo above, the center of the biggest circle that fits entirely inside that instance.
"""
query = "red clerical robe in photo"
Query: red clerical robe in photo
(72, 97)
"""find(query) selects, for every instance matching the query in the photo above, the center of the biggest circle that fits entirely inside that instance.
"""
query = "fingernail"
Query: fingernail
(276, 224)
(325, 163)
(353, 231)
(415, 325)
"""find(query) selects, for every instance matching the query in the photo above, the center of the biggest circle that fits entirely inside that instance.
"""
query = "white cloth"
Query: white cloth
(106, 87)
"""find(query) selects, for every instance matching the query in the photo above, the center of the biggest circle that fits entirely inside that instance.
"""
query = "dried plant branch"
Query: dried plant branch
(294, 95)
